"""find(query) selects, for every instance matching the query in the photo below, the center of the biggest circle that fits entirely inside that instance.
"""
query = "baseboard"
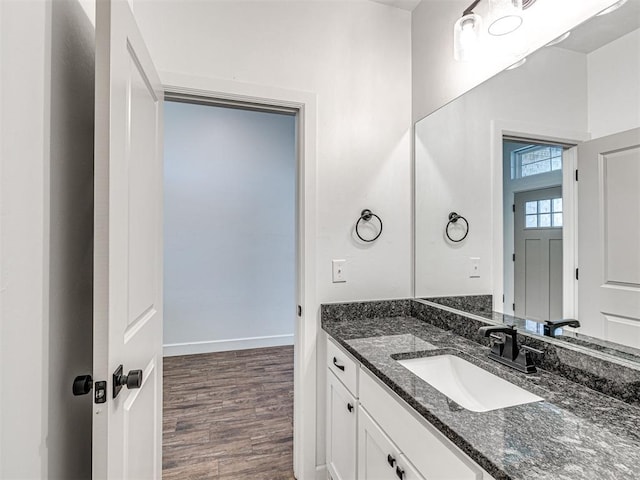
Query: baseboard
(191, 348)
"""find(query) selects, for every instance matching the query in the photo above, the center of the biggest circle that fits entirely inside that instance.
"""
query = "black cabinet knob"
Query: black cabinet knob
(400, 473)
(350, 407)
(391, 460)
(82, 384)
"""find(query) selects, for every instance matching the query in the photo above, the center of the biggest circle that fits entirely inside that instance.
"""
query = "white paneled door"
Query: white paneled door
(609, 237)
(127, 427)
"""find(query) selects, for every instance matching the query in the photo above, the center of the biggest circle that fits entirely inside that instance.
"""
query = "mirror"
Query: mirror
(503, 156)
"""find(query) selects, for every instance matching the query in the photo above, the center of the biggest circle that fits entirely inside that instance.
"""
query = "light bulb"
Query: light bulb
(466, 37)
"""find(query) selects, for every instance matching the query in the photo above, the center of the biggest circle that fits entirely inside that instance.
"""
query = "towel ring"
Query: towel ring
(367, 215)
(453, 218)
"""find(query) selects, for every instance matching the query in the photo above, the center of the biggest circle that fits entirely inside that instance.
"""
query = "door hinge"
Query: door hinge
(514, 307)
(514, 257)
(513, 208)
(299, 310)
(576, 274)
(503, 298)
(576, 174)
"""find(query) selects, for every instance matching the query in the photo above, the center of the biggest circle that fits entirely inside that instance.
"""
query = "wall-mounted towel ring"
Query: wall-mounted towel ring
(366, 215)
(453, 218)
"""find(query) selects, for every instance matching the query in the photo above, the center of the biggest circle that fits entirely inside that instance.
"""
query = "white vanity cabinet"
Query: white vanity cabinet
(342, 413)
(372, 434)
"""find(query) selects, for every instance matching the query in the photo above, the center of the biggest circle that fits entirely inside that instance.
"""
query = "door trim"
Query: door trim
(307, 326)
(500, 129)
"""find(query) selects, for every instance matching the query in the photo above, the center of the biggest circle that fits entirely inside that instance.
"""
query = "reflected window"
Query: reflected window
(545, 213)
(534, 160)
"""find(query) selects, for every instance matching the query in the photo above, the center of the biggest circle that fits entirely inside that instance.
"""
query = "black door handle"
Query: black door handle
(131, 380)
(82, 385)
(399, 473)
(350, 407)
(335, 362)
(391, 460)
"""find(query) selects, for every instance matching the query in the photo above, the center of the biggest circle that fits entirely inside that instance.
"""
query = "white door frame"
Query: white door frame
(499, 129)
(307, 326)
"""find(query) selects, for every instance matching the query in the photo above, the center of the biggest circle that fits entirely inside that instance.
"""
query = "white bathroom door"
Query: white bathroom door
(609, 237)
(127, 427)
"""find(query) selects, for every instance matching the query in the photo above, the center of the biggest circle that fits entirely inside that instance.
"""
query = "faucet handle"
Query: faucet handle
(531, 349)
(489, 330)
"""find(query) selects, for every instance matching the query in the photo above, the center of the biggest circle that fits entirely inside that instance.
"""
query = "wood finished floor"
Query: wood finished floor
(229, 415)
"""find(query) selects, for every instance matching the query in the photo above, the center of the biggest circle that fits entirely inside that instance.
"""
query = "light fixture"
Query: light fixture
(561, 38)
(503, 17)
(506, 16)
(612, 8)
(466, 36)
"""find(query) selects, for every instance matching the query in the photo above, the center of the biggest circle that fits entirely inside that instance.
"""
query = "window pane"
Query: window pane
(531, 207)
(532, 221)
(544, 206)
(557, 204)
(534, 160)
(544, 219)
(557, 219)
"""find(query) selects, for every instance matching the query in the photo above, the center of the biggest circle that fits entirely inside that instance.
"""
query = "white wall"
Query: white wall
(614, 86)
(45, 244)
(229, 228)
(454, 163)
(355, 56)
(438, 78)
(24, 217)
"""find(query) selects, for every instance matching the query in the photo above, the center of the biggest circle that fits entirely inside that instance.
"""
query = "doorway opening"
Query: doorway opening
(533, 224)
(231, 286)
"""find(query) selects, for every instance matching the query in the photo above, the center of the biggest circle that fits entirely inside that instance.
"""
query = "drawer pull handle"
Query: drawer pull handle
(350, 407)
(391, 460)
(335, 362)
(399, 473)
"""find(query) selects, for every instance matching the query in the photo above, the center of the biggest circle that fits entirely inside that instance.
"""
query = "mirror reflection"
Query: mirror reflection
(541, 246)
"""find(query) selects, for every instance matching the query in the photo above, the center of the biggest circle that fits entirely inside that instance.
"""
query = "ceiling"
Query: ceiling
(599, 31)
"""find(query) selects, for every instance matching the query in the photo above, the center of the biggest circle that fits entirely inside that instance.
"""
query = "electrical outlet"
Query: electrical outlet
(474, 267)
(338, 267)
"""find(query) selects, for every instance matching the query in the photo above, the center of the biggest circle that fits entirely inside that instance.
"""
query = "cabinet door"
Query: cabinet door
(341, 430)
(378, 457)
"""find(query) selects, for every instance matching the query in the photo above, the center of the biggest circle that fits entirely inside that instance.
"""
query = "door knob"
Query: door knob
(82, 384)
(131, 380)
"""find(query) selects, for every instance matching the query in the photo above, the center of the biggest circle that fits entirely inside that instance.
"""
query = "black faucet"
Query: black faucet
(551, 326)
(507, 351)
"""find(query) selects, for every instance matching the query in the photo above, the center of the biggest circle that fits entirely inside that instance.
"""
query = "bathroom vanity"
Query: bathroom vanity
(383, 421)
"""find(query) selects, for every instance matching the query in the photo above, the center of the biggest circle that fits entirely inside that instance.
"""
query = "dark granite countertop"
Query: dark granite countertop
(576, 433)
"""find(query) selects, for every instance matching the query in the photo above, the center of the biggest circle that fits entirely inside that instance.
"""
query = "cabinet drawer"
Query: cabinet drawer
(435, 457)
(343, 365)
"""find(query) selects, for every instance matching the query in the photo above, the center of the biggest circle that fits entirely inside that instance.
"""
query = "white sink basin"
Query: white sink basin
(469, 386)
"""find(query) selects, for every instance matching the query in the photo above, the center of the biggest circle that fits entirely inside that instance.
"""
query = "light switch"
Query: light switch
(474, 267)
(339, 275)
